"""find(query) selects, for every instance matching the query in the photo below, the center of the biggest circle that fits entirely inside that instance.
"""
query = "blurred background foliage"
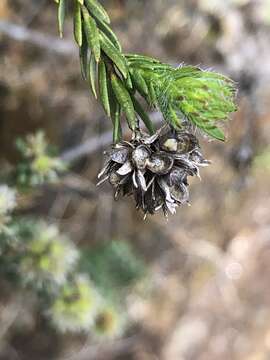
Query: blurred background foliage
(84, 277)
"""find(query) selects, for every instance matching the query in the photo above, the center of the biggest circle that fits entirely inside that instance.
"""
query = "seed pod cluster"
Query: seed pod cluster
(154, 169)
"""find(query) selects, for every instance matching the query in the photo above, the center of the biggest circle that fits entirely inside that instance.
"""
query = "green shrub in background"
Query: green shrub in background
(76, 290)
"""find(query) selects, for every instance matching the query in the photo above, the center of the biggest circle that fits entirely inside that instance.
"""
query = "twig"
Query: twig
(102, 351)
(96, 143)
(37, 10)
(47, 42)
(72, 184)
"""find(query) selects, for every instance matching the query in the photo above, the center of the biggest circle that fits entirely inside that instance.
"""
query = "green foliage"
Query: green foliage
(77, 291)
(113, 266)
(39, 162)
(185, 96)
(202, 97)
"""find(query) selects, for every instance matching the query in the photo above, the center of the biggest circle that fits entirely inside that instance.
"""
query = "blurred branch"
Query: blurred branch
(47, 42)
(36, 11)
(73, 184)
(98, 142)
(88, 147)
(9, 315)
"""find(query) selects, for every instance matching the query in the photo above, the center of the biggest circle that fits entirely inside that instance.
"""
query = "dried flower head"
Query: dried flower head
(154, 169)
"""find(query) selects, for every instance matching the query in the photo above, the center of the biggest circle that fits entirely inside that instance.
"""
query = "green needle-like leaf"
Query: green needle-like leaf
(152, 94)
(116, 115)
(216, 133)
(61, 16)
(83, 51)
(97, 10)
(91, 74)
(202, 97)
(139, 82)
(141, 58)
(188, 93)
(103, 87)
(109, 33)
(124, 99)
(172, 117)
(117, 58)
(92, 33)
(143, 115)
(77, 24)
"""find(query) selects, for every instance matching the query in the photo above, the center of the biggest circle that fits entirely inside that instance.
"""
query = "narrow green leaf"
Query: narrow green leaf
(139, 57)
(61, 16)
(109, 33)
(143, 115)
(92, 33)
(77, 23)
(152, 94)
(83, 51)
(216, 133)
(129, 83)
(172, 117)
(103, 87)
(124, 99)
(139, 82)
(97, 10)
(91, 74)
(116, 115)
(80, 1)
(114, 54)
(151, 66)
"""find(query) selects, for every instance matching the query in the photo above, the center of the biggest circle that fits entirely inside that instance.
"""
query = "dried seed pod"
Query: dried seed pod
(160, 163)
(156, 177)
(115, 179)
(119, 155)
(197, 158)
(140, 155)
(176, 175)
(186, 142)
(125, 169)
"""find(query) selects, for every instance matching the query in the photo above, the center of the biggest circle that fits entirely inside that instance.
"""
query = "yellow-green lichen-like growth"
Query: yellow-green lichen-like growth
(75, 308)
(48, 256)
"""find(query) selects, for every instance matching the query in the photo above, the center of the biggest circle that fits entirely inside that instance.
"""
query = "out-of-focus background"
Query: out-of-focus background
(193, 287)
